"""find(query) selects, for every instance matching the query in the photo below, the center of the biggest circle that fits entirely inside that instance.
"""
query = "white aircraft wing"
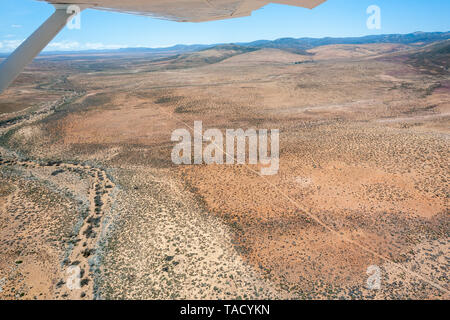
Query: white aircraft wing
(187, 10)
(177, 10)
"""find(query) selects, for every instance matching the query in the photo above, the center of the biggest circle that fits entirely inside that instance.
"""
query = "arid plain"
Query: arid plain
(86, 177)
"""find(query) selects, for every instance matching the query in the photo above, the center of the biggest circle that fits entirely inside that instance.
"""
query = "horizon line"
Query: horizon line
(119, 47)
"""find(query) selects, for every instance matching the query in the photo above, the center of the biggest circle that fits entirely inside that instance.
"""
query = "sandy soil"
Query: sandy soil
(363, 180)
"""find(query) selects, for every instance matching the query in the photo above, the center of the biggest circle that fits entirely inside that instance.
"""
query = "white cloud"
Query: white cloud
(76, 46)
(16, 26)
(11, 45)
(101, 46)
(63, 46)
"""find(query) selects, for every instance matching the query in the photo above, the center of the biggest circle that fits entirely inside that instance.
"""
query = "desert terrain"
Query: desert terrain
(86, 177)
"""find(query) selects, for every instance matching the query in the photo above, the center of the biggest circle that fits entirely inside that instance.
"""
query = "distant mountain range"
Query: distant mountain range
(302, 44)
(299, 45)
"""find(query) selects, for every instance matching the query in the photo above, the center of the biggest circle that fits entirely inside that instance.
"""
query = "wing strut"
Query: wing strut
(31, 47)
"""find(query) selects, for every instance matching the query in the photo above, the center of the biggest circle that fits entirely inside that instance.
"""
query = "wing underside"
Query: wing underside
(187, 10)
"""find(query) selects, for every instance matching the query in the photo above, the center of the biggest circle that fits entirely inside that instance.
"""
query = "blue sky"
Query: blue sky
(335, 18)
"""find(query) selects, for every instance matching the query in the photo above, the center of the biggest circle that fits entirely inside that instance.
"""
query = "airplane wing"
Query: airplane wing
(176, 10)
(187, 10)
